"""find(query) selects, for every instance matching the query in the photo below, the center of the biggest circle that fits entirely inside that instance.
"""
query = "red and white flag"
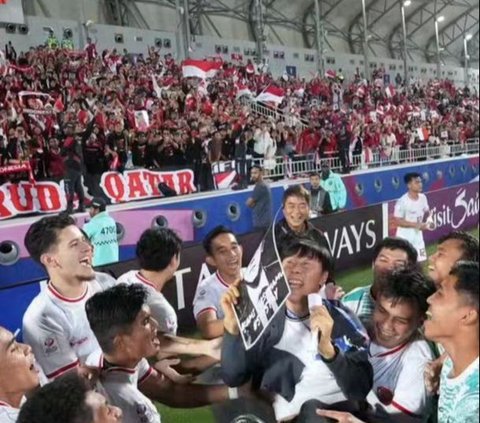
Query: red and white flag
(224, 174)
(423, 134)
(243, 91)
(202, 69)
(271, 94)
(330, 74)
(390, 91)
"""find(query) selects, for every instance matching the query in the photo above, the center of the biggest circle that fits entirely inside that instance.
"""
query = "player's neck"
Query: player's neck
(115, 360)
(413, 195)
(69, 288)
(158, 279)
(299, 308)
(13, 399)
(230, 279)
(463, 352)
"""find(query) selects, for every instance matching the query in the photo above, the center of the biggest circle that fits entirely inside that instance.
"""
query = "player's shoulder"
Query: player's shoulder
(210, 281)
(129, 277)
(39, 307)
(104, 280)
(420, 351)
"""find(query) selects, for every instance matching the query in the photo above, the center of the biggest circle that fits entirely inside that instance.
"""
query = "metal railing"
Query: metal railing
(302, 165)
(267, 112)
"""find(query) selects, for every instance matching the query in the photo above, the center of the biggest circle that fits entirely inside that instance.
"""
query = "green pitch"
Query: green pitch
(348, 280)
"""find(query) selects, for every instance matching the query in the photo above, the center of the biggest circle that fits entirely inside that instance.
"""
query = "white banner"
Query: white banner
(11, 11)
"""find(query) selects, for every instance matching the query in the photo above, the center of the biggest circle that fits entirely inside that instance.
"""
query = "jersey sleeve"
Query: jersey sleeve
(163, 313)
(204, 301)
(50, 346)
(144, 371)
(399, 211)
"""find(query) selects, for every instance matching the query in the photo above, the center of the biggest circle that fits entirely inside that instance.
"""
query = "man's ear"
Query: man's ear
(210, 261)
(324, 278)
(470, 318)
(48, 260)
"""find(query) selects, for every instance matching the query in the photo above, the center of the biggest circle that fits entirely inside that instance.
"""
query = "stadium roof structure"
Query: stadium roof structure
(294, 23)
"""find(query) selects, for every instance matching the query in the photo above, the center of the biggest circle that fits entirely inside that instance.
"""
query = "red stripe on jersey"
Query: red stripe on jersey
(62, 370)
(149, 373)
(220, 279)
(404, 410)
(145, 280)
(385, 354)
(205, 310)
(121, 370)
(57, 294)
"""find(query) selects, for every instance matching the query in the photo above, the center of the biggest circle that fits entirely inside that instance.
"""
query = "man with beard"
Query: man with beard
(389, 254)
(55, 324)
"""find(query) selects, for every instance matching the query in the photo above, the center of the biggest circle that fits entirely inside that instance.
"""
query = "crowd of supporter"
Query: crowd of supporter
(71, 113)
(402, 348)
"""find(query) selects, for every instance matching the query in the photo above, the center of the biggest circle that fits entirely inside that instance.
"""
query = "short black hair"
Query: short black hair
(63, 400)
(43, 234)
(306, 247)
(296, 191)
(314, 174)
(467, 273)
(395, 243)
(407, 285)
(411, 176)
(214, 233)
(156, 248)
(257, 166)
(113, 311)
(469, 244)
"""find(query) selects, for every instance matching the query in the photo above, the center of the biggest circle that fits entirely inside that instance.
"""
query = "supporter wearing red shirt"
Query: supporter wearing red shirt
(54, 160)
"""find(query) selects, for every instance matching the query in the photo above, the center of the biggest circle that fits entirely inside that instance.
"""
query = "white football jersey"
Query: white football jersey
(317, 380)
(120, 386)
(209, 294)
(8, 414)
(399, 394)
(57, 328)
(162, 310)
(412, 211)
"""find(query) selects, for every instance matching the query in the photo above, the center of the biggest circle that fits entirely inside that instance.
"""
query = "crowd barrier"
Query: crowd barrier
(29, 197)
(352, 236)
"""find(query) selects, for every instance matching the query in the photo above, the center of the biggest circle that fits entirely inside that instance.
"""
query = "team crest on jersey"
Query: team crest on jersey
(143, 412)
(50, 345)
(385, 395)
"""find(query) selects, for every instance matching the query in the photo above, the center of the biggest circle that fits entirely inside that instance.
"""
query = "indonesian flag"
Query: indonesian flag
(271, 94)
(360, 91)
(250, 69)
(224, 174)
(202, 69)
(59, 106)
(330, 74)
(423, 134)
(243, 91)
(390, 91)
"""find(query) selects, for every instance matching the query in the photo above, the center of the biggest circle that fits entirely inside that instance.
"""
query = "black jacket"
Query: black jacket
(278, 372)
